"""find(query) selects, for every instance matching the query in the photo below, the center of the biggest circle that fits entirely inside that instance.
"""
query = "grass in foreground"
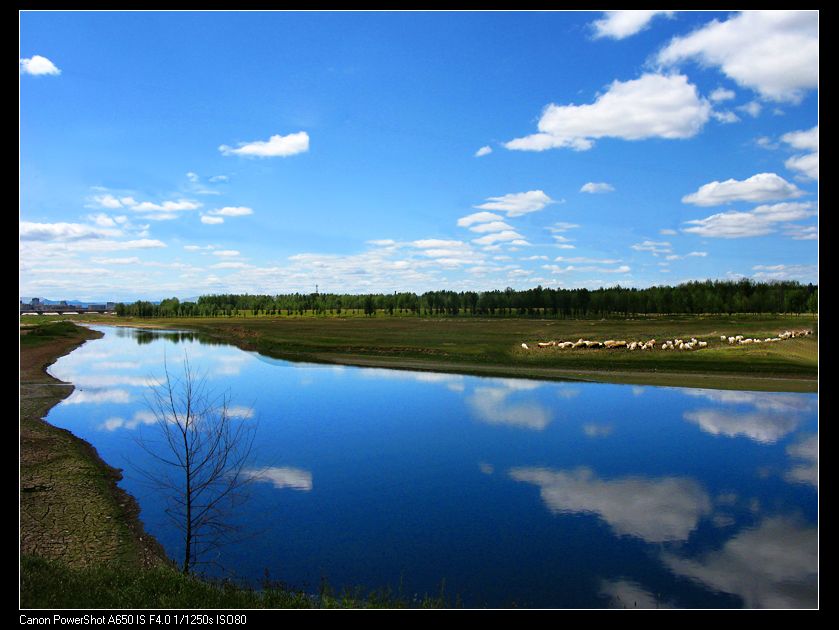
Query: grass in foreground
(52, 584)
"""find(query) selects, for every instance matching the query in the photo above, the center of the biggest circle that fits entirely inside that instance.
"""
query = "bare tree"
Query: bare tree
(203, 451)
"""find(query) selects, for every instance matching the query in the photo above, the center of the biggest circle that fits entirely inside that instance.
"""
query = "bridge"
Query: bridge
(66, 309)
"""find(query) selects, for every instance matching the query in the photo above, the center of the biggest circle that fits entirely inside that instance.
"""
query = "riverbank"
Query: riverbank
(71, 508)
(492, 347)
(82, 544)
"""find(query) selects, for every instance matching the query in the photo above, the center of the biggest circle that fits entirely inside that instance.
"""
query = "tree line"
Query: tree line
(710, 296)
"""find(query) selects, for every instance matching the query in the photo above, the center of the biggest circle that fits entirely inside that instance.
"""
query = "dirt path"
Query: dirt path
(70, 506)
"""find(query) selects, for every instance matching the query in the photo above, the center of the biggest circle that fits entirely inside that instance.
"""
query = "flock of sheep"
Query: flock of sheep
(670, 344)
(787, 334)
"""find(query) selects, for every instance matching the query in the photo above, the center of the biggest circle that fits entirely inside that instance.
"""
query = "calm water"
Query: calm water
(512, 492)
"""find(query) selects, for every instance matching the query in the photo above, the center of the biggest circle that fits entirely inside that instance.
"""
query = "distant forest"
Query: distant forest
(742, 296)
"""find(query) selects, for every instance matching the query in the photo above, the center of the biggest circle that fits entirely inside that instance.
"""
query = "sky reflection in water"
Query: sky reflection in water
(512, 491)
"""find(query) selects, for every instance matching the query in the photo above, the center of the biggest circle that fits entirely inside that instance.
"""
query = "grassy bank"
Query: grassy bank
(493, 347)
(51, 584)
(81, 542)
(71, 508)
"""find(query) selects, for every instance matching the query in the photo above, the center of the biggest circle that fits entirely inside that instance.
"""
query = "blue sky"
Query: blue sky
(189, 153)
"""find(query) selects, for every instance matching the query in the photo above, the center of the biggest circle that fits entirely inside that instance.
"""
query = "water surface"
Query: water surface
(505, 491)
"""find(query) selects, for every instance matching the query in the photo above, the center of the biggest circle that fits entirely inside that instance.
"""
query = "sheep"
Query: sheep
(619, 344)
(738, 338)
(633, 345)
(703, 344)
(546, 344)
(722, 337)
(745, 341)
(731, 340)
(664, 346)
(524, 345)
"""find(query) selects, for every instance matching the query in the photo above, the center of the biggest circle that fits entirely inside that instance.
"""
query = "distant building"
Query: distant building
(36, 302)
(111, 306)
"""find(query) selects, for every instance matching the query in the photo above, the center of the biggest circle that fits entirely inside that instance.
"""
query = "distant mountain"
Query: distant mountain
(27, 300)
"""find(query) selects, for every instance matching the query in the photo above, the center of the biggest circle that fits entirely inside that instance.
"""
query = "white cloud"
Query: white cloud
(211, 220)
(63, 232)
(230, 265)
(436, 243)
(597, 187)
(517, 204)
(485, 150)
(218, 178)
(626, 594)
(807, 164)
(721, 94)
(38, 66)
(775, 53)
(275, 146)
(803, 273)
(725, 117)
(621, 24)
(653, 106)
(752, 108)
(282, 477)
(166, 206)
(583, 259)
(757, 222)
(193, 177)
(688, 255)
(773, 565)
(492, 226)
(561, 226)
(802, 233)
(227, 253)
(131, 260)
(655, 510)
(232, 211)
(478, 217)
(506, 235)
(760, 187)
(655, 247)
(806, 449)
(667, 232)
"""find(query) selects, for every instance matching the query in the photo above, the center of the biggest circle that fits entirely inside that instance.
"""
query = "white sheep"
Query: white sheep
(703, 344)
(731, 340)
(524, 345)
(722, 337)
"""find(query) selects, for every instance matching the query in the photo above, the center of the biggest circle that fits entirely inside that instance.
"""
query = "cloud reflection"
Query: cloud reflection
(98, 397)
(656, 510)
(490, 405)
(806, 449)
(282, 477)
(627, 594)
(765, 428)
(772, 566)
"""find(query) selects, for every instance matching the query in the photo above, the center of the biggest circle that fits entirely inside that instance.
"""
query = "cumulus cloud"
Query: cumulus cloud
(38, 66)
(517, 204)
(805, 273)
(806, 452)
(627, 594)
(30, 231)
(807, 164)
(722, 94)
(211, 220)
(621, 24)
(773, 565)
(752, 108)
(492, 226)
(653, 106)
(597, 187)
(226, 253)
(504, 236)
(655, 510)
(758, 222)
(485, 150)
(232, 211)
(725, 117)
(775, 53)
(478, 217)
(275, 146)
(655, 247)
(757, 188)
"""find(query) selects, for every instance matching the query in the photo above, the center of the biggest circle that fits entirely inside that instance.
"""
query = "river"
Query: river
(503, 492)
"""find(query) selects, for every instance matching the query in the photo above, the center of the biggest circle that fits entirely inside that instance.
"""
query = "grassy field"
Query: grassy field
(493, 347)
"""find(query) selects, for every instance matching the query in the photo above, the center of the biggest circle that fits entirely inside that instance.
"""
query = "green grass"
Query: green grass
(52, 584)
(47, 331)
(493, 346)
